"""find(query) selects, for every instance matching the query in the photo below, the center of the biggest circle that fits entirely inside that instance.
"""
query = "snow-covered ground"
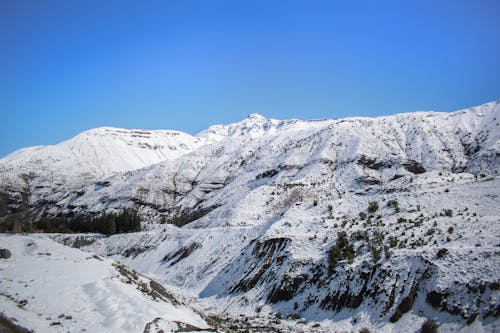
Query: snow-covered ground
(48, 287)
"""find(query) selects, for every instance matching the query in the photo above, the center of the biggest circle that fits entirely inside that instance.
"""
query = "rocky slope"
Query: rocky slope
(254, 219)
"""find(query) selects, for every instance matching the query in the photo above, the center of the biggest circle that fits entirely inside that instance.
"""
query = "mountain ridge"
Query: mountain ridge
(142, 150)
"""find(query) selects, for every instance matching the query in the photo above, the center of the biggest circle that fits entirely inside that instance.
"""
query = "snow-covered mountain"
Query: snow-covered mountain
(328, 157)
(48, 173)
(249, 217)
(102, 151)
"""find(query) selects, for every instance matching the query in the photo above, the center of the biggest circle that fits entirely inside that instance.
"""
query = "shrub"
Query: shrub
(378, 237)
(472, 318)
(387, 252)
(448, 212)
(429, 326)
(442, 252)
(376, 253)
(342, 250)
(392, 203)
(373, 206)
(393, 241)
(315, 202)
(362, 215)
(359, 235)
(450, 230)
(364, 330)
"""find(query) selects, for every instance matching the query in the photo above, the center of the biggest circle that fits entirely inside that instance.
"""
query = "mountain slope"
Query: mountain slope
(38, 175)
(281, 265)
(103, 151)
(337, 156)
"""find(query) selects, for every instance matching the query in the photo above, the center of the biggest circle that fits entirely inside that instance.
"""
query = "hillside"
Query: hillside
(40, 176)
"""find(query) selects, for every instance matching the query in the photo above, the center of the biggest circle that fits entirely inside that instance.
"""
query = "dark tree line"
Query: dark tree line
(106, 224)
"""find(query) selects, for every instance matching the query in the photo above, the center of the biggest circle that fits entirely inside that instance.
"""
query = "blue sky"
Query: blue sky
(67, 66)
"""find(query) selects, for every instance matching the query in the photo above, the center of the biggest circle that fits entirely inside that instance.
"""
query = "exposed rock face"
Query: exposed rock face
(414, 167)
(182, 253)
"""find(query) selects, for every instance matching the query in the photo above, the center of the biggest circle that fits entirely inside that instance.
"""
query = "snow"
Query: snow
(48, 287)
(90, 156)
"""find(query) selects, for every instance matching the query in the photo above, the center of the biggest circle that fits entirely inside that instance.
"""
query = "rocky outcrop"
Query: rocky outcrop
(267, 256)
(182, 253)
(5, 254)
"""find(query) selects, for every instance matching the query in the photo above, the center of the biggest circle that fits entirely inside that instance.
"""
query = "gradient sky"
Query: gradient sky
(67, 66)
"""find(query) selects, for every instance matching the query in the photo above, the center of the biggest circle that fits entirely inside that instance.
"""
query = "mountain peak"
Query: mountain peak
(256, 116)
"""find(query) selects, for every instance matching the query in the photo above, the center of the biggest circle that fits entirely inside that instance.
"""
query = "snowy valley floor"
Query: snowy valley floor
(48, 287)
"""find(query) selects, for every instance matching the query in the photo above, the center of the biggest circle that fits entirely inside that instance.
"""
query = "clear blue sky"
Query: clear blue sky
(67, 66)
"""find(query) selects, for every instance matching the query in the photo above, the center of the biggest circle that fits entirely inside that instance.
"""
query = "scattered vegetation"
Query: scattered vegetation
(387, 252)
(376, 245)
(342, 250)
(373, 206)
(375, 251)
(442, 252)
(394, 204)
(429, 326)
(393, 241)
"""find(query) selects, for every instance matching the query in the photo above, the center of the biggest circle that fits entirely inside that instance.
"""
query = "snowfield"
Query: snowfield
(278, 225)
(48, 287)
